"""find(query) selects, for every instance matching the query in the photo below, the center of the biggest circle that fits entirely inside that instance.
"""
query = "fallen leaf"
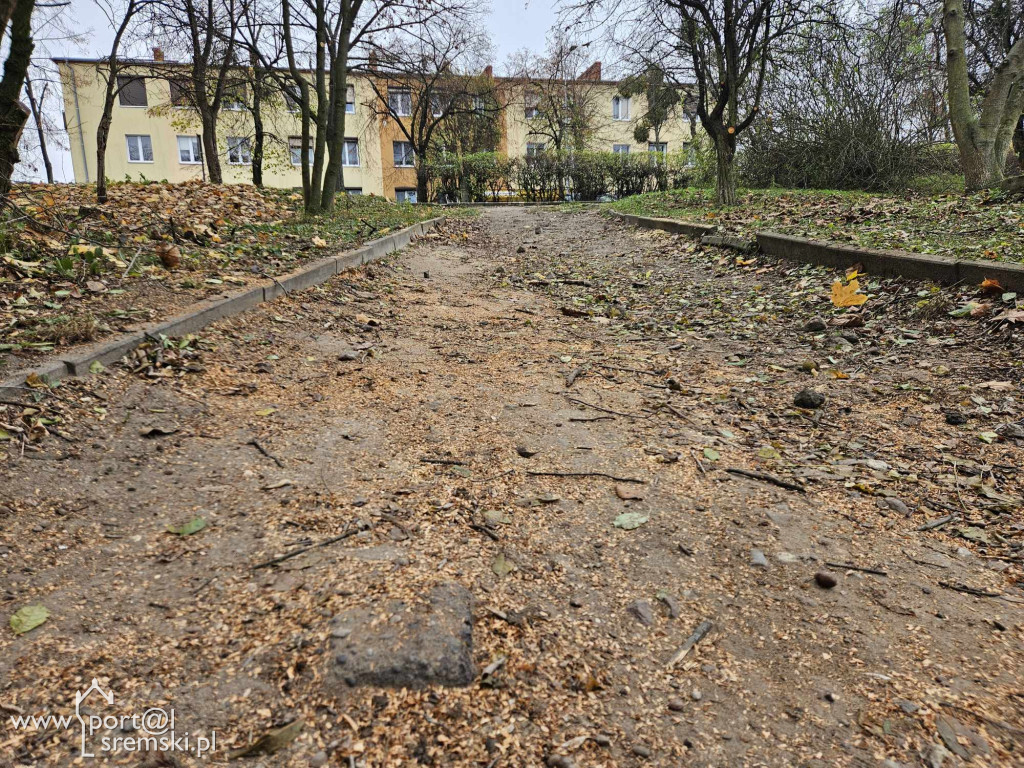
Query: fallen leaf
(27, 618)
(627, 521)
(194, 525)
(990, 287)
(846, 295)
(271, 741)
(502, 566)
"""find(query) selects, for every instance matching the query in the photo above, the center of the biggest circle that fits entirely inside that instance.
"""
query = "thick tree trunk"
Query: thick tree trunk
(14, 114)
(102, 133)
(421, 180)
(333, 175)
(725, 186)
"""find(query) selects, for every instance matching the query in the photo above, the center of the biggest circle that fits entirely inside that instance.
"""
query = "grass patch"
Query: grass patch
(981, 226)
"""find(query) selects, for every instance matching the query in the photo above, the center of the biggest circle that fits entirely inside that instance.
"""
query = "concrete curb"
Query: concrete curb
(77, 363)
(884, 263)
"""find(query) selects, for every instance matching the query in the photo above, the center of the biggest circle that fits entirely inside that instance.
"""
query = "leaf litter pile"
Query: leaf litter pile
(983, 226)
(72, 271)
(709, 511)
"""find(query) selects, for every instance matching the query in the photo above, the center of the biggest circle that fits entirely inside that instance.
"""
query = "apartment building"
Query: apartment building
(155, 134)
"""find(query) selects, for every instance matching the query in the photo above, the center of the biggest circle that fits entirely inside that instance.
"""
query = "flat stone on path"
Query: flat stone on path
(399, 645)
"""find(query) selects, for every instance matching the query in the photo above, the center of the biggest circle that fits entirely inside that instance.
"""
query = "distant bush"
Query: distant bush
(553, 176)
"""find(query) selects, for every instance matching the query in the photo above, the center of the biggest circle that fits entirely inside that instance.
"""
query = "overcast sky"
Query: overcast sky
(512, 24)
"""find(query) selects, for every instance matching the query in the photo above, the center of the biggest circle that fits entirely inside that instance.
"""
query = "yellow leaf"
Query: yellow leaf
(846, 295)
(989, 286)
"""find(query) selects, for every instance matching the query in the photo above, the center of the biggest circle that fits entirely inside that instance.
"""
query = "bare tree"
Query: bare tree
(13, 114)
(984, 133)
(560, 88)
(425, 79)
(36, 105)
(113, 72)
(724, 47)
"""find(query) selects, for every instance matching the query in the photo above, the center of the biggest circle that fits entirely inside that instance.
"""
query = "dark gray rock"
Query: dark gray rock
(809, 398)
(956, 418)
(641, 609)
(757, 559)
(416, 647)
(815, 325)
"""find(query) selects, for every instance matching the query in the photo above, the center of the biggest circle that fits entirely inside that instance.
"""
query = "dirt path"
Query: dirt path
(407, 405)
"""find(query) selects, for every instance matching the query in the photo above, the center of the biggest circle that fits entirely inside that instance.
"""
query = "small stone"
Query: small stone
(536, 231)
(696, 695)
(526, 451)
(560, 761)
(348, 356)
(787, 557)
(897, 506)
(676, 705)
(264, 368)
(815, 325)
(521, 249)
(603, 740)
(825, 580)
(641, 751)
(318, 760)
(426, 275)
(829, 697)
(809, 366)
(809, 398)
(850, 336)
(1011, 431)
(956, 418)
(575, 602)
(674, 385)
(641, 609)
(757, 559)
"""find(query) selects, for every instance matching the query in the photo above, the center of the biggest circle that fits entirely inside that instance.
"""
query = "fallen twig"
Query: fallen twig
(570, 378)
(852, 567)
(296, 552)
(586, 474)
(699, 634)
(446, 462)
(492, 535)
(604, 410)
(256, 444)
(591, 418)
(766, 478)
(967, 590)
(938, 523)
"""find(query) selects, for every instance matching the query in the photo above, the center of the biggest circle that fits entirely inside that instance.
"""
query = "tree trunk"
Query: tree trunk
(333, 176)
(35, 107)
(257, 127)
(421, 180)
(209, 136)
(725, 187)
(14, 114)
(102, 133)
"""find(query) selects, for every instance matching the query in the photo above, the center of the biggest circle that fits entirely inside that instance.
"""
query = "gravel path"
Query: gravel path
(541, 407)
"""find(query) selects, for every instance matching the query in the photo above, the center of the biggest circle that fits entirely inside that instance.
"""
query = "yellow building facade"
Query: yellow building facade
(153, 136)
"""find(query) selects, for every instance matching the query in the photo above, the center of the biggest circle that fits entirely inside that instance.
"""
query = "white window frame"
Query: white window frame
(402, 104)
(295, 150)
(292, 106)
(621, 108)
(345, 159)
(620, 149)
(350, 105)
(409, 155)
(531, 106)
(534, 148)
(195, 150)
(242, 143)
(232, 101)
(405, 193)
(138, 142)
(658, 147)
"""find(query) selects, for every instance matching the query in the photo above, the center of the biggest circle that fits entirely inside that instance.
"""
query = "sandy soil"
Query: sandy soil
(683, 364)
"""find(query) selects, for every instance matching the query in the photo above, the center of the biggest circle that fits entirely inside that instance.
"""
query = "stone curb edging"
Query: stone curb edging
(202, 314)
(884, 263)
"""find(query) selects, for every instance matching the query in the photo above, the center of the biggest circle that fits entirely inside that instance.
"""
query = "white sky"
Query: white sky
(512, 24)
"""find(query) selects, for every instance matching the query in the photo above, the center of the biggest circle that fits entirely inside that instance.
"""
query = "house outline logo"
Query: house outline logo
(81, 696)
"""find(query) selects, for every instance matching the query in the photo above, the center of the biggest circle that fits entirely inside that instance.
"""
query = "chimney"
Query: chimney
(593, 72)
(489, 72)
(372, 64)
(158, 54)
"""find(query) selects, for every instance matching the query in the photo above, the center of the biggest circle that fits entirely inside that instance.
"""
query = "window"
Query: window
(400, 101)
(234, 98)
(181, 96)
(131, 91)
(190, 151)
(291, 101)
(238, 150)
(353, 191)
(532, 104)
(404, 155)
(534, 148)
(351, 153)
(620, 108)
(140, 148)
(405, 195)
(350, 100)
(620, 149)
(438, 104)
(479, 104)
(657, 148)
(295, 149)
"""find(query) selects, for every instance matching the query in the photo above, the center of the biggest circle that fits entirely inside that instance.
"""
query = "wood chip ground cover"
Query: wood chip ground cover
(72, 271)
(980, 226)
(438, 413)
